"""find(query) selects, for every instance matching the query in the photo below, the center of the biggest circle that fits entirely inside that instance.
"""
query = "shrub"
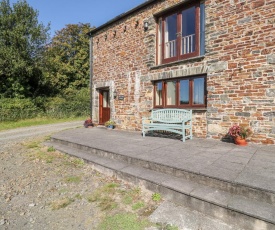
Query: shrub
(75, 103)
(71, 105)
(13, 109)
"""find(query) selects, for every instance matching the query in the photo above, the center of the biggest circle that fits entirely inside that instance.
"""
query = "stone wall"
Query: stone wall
(239, 63)
(240, 34)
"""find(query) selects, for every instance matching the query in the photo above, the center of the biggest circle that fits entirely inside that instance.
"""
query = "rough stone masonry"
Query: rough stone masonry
(239, 63)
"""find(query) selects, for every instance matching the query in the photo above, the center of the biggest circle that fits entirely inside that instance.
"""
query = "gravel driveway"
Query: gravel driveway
(32, 183)
(34, 131)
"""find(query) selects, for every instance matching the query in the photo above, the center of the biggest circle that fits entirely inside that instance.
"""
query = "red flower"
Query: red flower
(240, 131)
(234, 131)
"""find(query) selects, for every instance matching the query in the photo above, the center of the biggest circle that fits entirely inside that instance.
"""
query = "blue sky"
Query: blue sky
(96, 12)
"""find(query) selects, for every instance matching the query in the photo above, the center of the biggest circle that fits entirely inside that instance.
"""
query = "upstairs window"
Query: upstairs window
(180, 33)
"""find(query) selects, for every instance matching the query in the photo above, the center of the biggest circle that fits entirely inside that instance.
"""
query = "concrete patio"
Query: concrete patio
(215, 177)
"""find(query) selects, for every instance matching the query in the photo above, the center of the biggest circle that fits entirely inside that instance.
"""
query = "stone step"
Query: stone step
(259, 194)
(227, 206)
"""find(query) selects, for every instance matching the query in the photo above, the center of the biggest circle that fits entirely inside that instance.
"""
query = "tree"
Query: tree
(22, 40)
(68, 59)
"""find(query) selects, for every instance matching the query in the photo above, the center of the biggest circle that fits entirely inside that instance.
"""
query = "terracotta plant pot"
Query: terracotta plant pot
(240, 141)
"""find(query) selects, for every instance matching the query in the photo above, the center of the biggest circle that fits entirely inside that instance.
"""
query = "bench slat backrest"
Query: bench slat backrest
(171, 115)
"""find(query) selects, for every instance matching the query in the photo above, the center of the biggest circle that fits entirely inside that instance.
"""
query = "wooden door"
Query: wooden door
(104, 106)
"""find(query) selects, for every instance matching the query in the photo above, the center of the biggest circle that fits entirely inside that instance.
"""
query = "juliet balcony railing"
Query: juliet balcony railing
(187, 46)
(171, 49)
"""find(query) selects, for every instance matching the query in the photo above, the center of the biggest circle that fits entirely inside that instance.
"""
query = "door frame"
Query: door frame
(104, 112)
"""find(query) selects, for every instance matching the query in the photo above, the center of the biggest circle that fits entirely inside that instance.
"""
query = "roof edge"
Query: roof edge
(123, 15)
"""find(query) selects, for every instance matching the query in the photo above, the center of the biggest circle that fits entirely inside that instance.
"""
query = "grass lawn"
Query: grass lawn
(5, 125)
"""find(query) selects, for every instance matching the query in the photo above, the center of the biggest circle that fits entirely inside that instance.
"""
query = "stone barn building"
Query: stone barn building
(215, 57)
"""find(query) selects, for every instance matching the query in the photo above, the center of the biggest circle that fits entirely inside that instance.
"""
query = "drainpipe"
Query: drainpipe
(91, 77)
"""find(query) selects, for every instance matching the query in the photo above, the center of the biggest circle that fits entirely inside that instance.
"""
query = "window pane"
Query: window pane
(105, 99)
(184, 92)
(158, 93)
(188, 29)
(159, 41)
(198, 93)
(171, 93)
(170, 36)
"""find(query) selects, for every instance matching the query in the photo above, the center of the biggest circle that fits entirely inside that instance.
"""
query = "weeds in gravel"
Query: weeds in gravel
(63, 190)
(111, 186)
(104, 201)
(138, 205)
(107, 203)
(58, 204)
(78, 196)
(121, 205)
(127, 199)
(44, 156)
(125, 207)
(33, 144)
(125, 221)
(73, 179)
(51, 149)
(41, 153)
(50, 154)
(104, 197)
(94, 197)
(156, 197)
(74, 162)
(130, 195)
(47, 138)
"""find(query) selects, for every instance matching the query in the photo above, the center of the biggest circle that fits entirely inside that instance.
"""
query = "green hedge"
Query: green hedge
(13, 109)
(74, 104)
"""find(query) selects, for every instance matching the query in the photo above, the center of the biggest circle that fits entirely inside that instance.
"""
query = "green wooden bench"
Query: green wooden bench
(171, 120)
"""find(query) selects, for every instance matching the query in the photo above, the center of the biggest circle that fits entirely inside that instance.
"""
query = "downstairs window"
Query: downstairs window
(187, 92)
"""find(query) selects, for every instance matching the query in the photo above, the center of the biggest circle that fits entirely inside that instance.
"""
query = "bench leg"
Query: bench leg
(191, 133)
(183, 135)
(143, 132)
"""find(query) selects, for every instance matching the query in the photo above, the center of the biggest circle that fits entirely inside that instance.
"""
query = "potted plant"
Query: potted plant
(239, 133)
(88, 123)
(110, 124)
